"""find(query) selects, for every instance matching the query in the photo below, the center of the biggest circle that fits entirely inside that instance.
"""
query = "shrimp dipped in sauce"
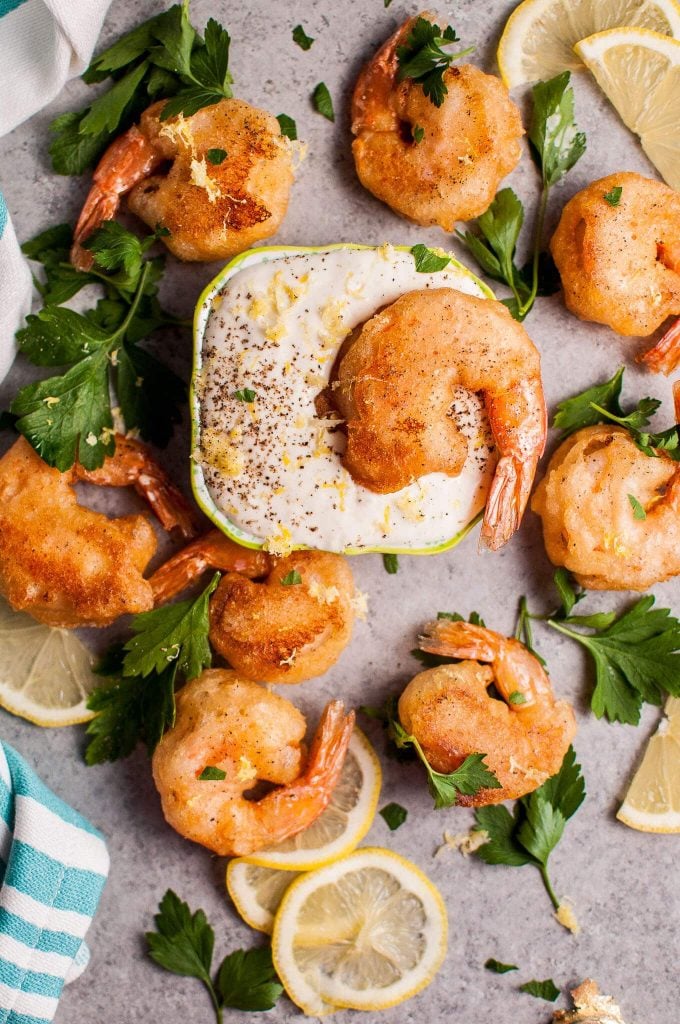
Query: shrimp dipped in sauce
(212, 210)
(274, 619)
(524, 736)
(591, 526)
(617, 248)
(251, 734)
(395, 387)
(67, 565)
(432, 164)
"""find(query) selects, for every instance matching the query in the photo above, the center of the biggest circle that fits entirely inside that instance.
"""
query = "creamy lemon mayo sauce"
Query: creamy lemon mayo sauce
(271, 465)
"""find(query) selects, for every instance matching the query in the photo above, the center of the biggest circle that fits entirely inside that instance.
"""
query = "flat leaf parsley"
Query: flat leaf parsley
(531, 833)
(139, 704)
(423, 59)
(163, 58)
(556, 145)
(69, 417)
(183, 943)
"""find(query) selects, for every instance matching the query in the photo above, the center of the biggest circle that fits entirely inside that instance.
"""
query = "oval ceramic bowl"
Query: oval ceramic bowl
(203, 308)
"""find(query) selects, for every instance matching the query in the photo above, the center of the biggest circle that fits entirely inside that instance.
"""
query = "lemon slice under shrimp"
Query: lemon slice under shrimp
(639, 72)
(539, 35)
(257, 892)
(652, 803)
(342, 825)
(367, 931)
(45, 673)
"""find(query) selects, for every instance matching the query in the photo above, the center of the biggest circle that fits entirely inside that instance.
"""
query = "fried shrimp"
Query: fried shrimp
(434, 165)
(395, 389)
(590, 524)
(227, 722)
(290, 624)
(211, 210)
(67, 565)
(524, 736)
(619, 258)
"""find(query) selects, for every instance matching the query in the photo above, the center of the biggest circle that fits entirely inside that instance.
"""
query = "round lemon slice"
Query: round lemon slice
(342, 825)
(639, 72)
(539, 36)
(45, 674)
(652, 803)
(367, 931)
(257, 892)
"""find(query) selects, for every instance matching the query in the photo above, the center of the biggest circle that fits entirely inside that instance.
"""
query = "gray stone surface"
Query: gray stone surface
(624, 885)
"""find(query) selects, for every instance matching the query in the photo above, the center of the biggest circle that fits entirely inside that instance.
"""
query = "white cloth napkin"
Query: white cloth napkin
(43, 43)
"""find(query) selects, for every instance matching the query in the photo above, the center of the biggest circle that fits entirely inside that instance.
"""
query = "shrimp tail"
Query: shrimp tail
(127, 161)
(211, 551)
(286, 811)
(665, 355)
(458, 640)
(131, 465)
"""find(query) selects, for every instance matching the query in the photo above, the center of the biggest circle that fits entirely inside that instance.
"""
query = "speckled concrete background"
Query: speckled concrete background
(624, 885)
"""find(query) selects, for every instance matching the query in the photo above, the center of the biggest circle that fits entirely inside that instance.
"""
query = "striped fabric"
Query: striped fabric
(43, 43)
(53, 866)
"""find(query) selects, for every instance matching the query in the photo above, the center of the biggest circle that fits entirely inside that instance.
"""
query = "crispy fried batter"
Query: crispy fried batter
(285, 634)
(620, 264)
(469, 144)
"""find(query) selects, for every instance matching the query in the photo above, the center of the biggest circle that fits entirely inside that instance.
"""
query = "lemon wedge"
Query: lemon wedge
(342, 825)
(367, 931)
(257, 892)
(652, 803)
(639, 72)
(45, 674)
(539, 36)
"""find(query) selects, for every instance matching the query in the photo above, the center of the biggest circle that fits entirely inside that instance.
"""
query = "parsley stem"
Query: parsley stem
(120, 331)
(216, 1004)
(543, 868)
(538, 238)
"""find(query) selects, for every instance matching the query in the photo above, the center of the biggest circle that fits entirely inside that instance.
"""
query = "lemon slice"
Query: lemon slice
(639, 71)
(652, 803)
(342, 825)
(257, 892)
(45, 674)
(539, 36)
(367, 931)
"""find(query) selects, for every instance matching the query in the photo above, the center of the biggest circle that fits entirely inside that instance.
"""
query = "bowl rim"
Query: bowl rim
(205, 502)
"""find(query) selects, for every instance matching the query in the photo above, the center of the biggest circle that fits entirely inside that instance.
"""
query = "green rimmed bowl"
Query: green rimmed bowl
(204, 499)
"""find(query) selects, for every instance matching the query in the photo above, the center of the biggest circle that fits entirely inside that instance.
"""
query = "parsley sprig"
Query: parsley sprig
(183, 944)
(444, 787)
(69, 417)
(556, 146)
(423, 59)
(138, 705)
(636, 653)
(600, 404)
(163, 58)
(530, 834)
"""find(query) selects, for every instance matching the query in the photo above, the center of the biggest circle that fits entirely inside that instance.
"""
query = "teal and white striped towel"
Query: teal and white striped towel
(53, 866)
(43, 43)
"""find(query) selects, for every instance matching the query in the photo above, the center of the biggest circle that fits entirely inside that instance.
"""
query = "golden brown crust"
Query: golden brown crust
(620, 265)
(469, 144)
(214, 211)
(275, 633)
(65, 564)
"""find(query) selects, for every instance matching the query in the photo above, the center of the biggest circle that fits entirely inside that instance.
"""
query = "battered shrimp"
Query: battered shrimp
(67, 565)
(212, 210)
(589, 524)
(395, 388)
(620, 264)
(468, 144)
(290, 625)
(524, 736)
(227, 722)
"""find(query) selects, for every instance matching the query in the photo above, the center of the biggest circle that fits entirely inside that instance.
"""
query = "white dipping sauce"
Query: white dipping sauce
(272, 466)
